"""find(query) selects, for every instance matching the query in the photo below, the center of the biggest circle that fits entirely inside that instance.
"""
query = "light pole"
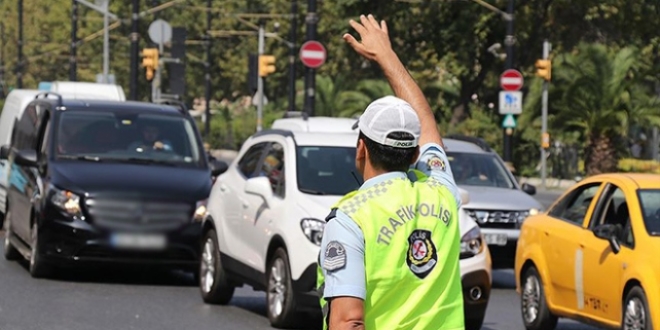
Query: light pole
(103, 9)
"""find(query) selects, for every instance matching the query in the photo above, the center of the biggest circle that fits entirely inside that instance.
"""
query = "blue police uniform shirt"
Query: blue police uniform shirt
(349, 279)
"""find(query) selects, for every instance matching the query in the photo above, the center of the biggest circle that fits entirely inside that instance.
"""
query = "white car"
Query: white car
(267, 212)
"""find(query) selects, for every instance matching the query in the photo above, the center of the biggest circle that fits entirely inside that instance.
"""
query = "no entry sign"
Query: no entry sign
(511, 80)
(312, 54)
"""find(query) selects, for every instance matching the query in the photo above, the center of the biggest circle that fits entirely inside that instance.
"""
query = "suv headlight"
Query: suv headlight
(67, 201)
(471, 243)
(200, 211)
(313, 229)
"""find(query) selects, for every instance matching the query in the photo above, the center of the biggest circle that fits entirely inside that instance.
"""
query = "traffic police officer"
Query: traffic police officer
(389, 257)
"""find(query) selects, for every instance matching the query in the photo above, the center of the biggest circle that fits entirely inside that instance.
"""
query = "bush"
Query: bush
(639, 165)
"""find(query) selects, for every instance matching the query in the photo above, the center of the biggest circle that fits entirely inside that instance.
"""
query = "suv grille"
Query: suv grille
(132, 214)
(498, 218)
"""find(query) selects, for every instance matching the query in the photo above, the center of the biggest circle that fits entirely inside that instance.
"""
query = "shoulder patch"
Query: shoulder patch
(335, 256)
(332, 215)
(435, 163)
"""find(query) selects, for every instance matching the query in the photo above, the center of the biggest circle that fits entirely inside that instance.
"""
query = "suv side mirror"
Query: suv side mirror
(465, 196)
(4, 152)
(26, 157)
(218, 167)
(528, 188)
(609, 233)
(259, 186)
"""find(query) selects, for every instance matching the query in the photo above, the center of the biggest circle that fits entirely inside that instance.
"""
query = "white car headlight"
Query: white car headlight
(67, 201)
(471, 243)
(313, 229)
(200, 211)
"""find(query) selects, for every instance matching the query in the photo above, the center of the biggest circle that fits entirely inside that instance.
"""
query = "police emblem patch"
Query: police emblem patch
(436, 163)
(422, 255)
(335, 256)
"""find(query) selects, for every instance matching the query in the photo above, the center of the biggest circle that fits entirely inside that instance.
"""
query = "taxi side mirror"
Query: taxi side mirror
(609, 233)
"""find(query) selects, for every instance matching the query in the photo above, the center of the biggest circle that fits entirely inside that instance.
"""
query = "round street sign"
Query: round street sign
(511, 80)
(160, 32)
(312, 54)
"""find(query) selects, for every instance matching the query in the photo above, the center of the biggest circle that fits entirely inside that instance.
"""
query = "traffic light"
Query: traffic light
(545, 141)
(150, 61)
(266, 65)
(544, 69)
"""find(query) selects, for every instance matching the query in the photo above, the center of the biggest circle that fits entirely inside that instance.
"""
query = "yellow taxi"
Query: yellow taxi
(594, 255)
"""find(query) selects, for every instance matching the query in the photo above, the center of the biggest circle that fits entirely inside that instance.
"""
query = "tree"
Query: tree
(601, 95)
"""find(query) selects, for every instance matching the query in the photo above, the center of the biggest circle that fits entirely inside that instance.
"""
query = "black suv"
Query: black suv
(103, 181)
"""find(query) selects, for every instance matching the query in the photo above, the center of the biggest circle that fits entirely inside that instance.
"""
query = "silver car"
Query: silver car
(497, 202)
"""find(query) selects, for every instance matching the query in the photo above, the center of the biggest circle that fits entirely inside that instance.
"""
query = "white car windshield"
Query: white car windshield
(473, 169)
(327, 170)
(127, 136)
(649, 201)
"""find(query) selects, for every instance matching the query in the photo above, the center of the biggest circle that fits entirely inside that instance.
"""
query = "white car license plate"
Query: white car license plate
(495, 239)
(138, 241)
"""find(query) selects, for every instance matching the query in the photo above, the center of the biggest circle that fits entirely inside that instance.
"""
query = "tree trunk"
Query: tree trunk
(600, 156)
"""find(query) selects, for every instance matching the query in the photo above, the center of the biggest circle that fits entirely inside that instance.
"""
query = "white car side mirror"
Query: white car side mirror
(465, 196)
(259, 186)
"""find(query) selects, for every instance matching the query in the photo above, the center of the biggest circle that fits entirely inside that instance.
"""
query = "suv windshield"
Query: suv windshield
(649, 201)
(327, 170)
(131, 137)
(473, 169)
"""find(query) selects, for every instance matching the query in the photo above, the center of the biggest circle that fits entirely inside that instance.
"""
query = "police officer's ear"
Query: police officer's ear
(361, 151)
(416, 157)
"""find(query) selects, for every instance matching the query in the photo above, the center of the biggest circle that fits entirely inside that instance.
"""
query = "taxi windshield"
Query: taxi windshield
(472, 169)
(649, 202)
(106, 135)
(327, 170)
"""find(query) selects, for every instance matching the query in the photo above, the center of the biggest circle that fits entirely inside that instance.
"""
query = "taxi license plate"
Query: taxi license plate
(495, 239)
(138, 241)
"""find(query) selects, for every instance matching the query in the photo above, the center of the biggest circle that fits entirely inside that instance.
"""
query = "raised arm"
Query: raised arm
(375, 45)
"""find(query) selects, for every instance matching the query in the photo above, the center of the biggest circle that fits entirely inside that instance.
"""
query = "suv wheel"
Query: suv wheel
(38, 267)
(11, 253)
(533, 305)
(279, 294)
(212, 278)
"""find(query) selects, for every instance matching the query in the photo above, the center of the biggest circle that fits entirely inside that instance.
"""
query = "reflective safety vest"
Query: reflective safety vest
(412, 246)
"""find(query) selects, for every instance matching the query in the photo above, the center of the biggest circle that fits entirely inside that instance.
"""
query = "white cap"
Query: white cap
(387, 115)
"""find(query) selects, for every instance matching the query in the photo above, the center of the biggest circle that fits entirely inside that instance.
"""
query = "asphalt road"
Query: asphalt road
(134, 298)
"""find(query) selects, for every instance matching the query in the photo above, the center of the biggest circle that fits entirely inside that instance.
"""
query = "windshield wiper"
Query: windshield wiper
(311, 191)
(82, 157)
(146, 161)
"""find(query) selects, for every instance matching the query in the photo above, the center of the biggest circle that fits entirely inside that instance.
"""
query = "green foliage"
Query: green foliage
(444, 44)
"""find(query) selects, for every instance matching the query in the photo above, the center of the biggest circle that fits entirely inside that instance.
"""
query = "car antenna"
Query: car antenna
(356, 179)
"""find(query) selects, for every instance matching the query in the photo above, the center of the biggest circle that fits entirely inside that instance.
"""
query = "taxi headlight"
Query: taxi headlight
(471, 243)
(200, 211)
(313, 229)
(66, 201)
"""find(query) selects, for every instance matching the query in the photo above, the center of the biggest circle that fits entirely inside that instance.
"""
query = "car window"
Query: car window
(25, 130)
(573, 207)
(44, 140)
(272, 167)
(325, 170)
(649, 202)
(613, 210)
(248, 163)
(128, 136)
(479, 169)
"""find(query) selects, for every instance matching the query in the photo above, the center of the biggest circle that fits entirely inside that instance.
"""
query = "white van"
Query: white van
(18, 99)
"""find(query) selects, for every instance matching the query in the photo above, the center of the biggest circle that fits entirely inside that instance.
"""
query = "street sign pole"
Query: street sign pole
(106, 42)
(260, 81)
(544, 116)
